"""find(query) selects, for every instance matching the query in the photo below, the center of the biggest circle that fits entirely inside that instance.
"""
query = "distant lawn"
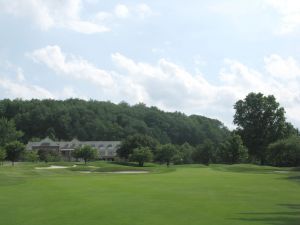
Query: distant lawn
(181, 195)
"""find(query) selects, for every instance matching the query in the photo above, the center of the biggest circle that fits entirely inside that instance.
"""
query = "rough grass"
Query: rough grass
(192, 194)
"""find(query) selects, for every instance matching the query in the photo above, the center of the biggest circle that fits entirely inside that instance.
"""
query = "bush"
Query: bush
(49, 156)
(284, 152)
(31, 156)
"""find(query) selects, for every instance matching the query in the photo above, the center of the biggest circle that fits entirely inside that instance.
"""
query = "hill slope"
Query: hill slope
(96, 120)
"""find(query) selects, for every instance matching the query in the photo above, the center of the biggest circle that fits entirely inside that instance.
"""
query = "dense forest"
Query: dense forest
(262, 135)
(97, 120)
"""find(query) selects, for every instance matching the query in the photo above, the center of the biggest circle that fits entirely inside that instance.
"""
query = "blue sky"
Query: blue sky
(198, 57)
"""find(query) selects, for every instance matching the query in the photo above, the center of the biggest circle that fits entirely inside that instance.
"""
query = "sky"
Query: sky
(193, 56)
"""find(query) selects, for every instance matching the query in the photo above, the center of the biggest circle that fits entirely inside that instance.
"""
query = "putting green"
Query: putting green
(186, 195)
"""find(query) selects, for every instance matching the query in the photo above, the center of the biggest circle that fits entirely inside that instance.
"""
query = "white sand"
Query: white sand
(281, 171)
(50, 167)
(117, 172)
(129, 171)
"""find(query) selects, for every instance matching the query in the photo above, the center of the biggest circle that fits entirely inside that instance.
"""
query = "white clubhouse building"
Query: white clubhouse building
(107, 150)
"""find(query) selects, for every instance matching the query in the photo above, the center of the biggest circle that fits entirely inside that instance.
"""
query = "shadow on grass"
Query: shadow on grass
(126, 164)
(291, 216)
(244, 168)
(294, 178)
(8, 181)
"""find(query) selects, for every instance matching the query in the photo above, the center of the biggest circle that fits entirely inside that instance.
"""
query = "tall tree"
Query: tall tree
(260, 121)
(232, 150)
(136, 141)
(204, 153)
(165, 153)
(8, 132)
(14, 151)
(141, 155)
(2, 155)
(87, 153)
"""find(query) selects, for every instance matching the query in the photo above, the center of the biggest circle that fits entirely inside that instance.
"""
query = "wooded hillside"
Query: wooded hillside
(96, 120)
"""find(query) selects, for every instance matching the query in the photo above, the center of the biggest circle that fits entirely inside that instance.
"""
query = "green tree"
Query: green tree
(76, 153)
(204, 153)
(2, 155)
(232, 150)
(49, 156)
(165, 153)
(87, 153)
(260, 121)
(8, 132)
(135, 141)
(186, 152)
(285, 152)
(141, 155)
(31, 156)
(14, 151)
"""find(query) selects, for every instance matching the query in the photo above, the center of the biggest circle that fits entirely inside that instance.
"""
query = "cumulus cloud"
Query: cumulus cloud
(53, 13)
(19, 89)
(289, 11)
(68, 14)
(13, 84)
(285, 21)
(121, 11)
(282, 68)
(143, 10)
(71, 65)
(171, 87)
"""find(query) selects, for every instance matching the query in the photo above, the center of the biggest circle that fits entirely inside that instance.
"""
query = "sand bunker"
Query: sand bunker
(117, 172)
(129, 171)
(281, 171)
(50, 167)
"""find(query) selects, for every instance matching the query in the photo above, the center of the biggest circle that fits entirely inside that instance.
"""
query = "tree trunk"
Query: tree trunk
(12, 163)
(141, 164)
(168, 164)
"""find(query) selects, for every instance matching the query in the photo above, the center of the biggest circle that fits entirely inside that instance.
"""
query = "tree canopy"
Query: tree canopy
(8, 132)
(165, 153)
(96, 120)
(136, 141)
(86, 152)
(285, 152)
(141, 155)
(14, 151)
(260, 121)
(2, 155)
(232, 150)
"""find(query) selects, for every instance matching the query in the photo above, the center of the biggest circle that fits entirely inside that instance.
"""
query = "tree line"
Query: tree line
(262, 134)
(98, 120)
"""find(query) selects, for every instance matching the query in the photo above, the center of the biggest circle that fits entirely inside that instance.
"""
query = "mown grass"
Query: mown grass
(189, 194)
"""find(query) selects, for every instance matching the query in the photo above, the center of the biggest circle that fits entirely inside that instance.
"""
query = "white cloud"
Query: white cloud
(282, 68)
(260, 14)
(289, 11)
(171, 87)
(143, 10)
(17, 89)
(13, 84)
(67, 14)
(121, 11)
(53, 13)
(71, 65)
